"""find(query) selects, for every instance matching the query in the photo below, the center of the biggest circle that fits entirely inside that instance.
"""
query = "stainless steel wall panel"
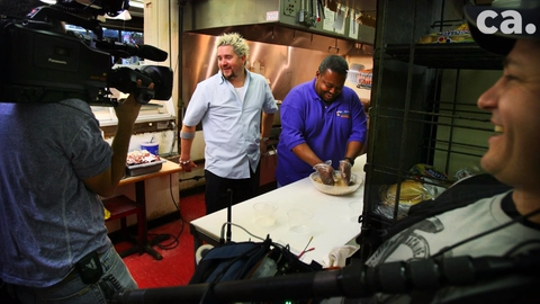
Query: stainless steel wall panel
(283, 66)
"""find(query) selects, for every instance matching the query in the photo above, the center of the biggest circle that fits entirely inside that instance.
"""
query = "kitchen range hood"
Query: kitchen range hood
(287, 22)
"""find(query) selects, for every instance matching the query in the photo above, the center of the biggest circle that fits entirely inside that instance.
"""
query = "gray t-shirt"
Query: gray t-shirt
(48, 218)
(426, 238)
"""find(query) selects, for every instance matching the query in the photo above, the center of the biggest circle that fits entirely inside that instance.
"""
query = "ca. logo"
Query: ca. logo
(489, 22)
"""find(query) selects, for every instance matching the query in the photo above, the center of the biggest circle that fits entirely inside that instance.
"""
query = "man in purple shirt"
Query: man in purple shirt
(322, 121)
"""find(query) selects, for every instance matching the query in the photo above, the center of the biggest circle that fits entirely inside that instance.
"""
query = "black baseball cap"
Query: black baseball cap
(496, 29)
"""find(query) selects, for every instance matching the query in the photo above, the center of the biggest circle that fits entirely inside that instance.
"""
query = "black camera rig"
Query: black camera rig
(41, 62)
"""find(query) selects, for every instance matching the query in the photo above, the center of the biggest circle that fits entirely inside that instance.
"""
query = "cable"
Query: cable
(195, 178)
(306, 248)
(277, 245)
(236, 225)
(512, 250)
(175, 240)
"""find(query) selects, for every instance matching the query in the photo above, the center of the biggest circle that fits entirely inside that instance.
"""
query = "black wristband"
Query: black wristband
(350, 159)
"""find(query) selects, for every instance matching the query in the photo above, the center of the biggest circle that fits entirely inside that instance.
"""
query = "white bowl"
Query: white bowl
(356, 182)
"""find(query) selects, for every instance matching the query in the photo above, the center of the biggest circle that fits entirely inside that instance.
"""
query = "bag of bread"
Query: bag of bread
(411, 193)
(460, 34)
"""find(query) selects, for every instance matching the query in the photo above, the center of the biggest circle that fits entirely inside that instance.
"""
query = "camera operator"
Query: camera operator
(53, 168)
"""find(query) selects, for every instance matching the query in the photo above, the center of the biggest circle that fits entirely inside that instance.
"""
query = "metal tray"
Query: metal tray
(134, 170)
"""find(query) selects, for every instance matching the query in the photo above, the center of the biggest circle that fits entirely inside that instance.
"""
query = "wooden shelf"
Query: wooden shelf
(120, 206)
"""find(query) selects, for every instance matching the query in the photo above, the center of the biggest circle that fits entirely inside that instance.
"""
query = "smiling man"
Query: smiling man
(488, 215)
(229, 105)
(321, 120)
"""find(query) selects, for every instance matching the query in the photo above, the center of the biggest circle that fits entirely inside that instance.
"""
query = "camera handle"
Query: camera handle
(49, 14)
(144, 95)
(125, 80)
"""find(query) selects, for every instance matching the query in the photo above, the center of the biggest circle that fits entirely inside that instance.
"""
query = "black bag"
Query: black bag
(245, 260)
(229, 262)
(237, 261)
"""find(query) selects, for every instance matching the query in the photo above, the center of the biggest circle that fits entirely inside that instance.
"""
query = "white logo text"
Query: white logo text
(512, 23)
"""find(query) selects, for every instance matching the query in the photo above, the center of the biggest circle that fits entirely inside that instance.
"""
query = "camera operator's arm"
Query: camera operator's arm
(105, 184)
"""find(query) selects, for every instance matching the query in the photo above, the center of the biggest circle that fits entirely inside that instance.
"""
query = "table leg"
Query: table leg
(200, 238)
(143, 244)
(197, 242)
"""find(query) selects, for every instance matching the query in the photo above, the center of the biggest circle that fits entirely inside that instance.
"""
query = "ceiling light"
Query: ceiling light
(138, 4)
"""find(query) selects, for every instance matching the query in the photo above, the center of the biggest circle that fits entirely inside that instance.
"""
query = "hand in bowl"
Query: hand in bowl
(326, 173)
(345, 168)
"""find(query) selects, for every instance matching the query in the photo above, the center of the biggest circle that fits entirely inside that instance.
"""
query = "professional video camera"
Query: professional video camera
(41, 62)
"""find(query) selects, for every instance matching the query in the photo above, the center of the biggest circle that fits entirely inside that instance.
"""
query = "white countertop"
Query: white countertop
(331, 225)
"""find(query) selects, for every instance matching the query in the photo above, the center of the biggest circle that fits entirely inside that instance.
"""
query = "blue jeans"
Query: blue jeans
(75, 291)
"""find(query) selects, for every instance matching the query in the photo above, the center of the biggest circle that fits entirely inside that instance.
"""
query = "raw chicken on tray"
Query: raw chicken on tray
(141, 157)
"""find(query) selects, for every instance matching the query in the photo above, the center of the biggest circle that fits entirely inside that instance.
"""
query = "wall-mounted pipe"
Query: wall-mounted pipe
(180, 103)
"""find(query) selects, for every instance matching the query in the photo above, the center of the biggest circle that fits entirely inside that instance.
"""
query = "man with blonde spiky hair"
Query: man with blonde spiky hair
(229, 105)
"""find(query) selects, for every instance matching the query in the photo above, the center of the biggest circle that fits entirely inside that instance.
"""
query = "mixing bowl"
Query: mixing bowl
(356, 182)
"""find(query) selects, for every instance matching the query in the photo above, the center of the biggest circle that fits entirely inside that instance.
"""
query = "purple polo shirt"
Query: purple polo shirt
(326, 129)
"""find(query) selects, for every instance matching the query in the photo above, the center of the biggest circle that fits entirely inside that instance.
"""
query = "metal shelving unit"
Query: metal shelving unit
(423, 107)
(447, 56)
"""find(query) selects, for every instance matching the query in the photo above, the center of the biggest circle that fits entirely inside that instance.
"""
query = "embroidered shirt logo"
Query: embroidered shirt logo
(343, 113)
